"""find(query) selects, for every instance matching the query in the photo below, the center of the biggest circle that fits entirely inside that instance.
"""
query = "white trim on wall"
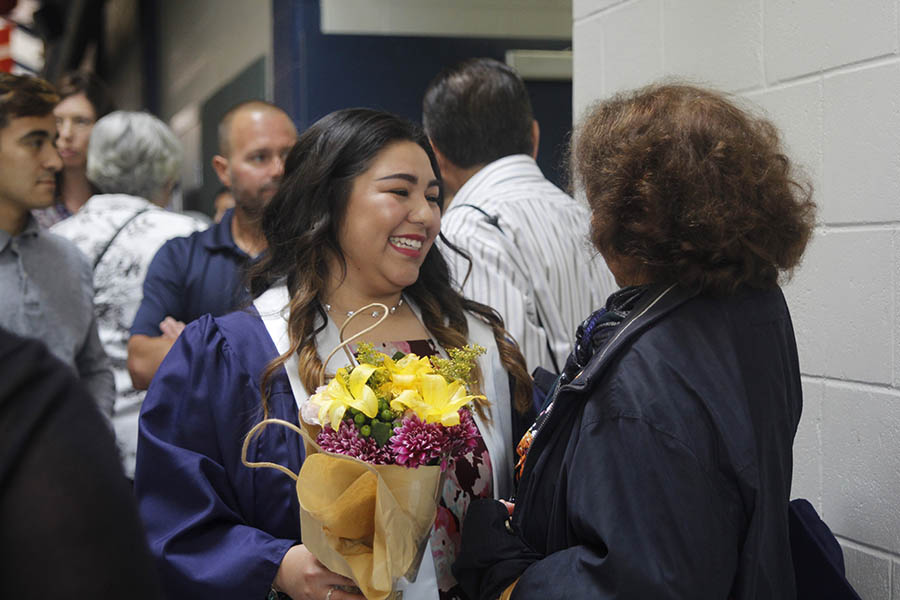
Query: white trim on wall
(537, 19)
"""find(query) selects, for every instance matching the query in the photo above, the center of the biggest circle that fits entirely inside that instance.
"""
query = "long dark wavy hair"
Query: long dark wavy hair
(301, 225)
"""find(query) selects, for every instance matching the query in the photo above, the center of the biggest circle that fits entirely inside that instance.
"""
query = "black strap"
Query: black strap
(115, 235)
(556, 368)
(492, 219)
(495, 221)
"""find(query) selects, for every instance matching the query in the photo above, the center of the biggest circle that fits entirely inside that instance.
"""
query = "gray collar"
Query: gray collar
(32, 229)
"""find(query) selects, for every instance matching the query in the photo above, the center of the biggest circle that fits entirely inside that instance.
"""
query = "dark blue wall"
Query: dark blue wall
(315, 74)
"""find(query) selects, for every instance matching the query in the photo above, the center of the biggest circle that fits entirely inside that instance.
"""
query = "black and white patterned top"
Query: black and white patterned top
(118, 281)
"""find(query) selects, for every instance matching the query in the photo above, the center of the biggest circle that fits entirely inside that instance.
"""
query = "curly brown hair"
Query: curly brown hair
(691, 189)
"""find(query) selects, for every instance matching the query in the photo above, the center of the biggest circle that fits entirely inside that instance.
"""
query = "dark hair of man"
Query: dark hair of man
(301, 225)
(93, 88)
(477, 112)
(225, 123)
(691, 189)
(25, 96)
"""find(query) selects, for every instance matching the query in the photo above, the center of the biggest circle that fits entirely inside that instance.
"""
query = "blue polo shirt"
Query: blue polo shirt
(192, 276)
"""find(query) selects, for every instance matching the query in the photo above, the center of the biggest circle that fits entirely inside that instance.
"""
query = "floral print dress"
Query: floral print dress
(470, 478)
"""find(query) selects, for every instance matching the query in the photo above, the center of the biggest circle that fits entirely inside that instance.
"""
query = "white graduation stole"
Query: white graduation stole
(272, 308)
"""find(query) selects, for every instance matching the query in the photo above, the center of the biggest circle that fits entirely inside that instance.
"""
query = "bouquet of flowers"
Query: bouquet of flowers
(378, 437)
(402, 410)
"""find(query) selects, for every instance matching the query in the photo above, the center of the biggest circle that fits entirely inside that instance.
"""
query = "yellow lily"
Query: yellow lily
(405, 373)
(337, 397)
(439, 402)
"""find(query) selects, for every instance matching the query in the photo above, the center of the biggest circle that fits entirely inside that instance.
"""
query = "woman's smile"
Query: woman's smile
(407, 244)
(392, 218)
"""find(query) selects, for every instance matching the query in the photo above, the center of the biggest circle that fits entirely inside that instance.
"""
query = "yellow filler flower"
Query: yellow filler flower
(439, 401)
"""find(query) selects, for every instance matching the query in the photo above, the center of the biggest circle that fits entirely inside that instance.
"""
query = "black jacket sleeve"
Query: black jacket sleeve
(68, 523)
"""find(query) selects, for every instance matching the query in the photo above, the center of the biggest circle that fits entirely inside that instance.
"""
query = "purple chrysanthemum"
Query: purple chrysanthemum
(415, 443)
(347, 440)
(461, 439)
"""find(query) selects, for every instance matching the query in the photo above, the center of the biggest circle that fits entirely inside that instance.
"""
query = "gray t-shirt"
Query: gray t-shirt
(46, 292)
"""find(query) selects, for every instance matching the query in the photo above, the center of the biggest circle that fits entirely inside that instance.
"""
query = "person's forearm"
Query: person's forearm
(145, 354)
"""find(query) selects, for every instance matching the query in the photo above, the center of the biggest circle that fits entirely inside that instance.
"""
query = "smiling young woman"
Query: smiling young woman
(393, 216)
(353, 222)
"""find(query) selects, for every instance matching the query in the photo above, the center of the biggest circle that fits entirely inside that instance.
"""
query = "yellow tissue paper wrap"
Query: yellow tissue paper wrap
(367, 522)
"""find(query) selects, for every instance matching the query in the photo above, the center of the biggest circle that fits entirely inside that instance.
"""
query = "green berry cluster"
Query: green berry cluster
(381, 426)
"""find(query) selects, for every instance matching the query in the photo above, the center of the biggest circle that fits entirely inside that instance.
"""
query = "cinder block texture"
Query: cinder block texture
(583, 8)
(861, 160)
(805, 36)
(840, 301)
(896, 360)
(587, 61)
(861, 472)
(719, 43)
(869, 575)
(807, 476)
(631, 46)
(895, 582)
(797, 111)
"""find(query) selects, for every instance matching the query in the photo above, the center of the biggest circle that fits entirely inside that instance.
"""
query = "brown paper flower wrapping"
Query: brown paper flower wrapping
(367, 522)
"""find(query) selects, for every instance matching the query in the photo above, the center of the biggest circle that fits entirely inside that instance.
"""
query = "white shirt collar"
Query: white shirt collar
(516, 165)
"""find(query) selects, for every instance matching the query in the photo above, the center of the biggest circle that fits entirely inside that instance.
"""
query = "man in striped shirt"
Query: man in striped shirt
(527, 239)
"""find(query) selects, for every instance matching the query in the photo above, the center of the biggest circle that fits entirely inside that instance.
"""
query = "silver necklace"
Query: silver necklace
(375, 313)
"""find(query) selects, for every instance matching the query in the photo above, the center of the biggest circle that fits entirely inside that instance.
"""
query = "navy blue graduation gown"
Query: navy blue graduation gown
(218, 529)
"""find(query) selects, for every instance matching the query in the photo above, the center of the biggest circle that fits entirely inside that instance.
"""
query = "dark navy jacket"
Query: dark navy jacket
(664, 468)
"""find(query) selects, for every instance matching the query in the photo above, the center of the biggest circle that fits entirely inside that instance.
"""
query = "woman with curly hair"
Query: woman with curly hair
(661, 466)
(354, 222)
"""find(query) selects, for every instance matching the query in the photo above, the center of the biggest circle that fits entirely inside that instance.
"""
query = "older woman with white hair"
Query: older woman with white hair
(134, 159)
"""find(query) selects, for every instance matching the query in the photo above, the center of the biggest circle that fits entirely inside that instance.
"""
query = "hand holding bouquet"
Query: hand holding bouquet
(406, 418)
(378, 437)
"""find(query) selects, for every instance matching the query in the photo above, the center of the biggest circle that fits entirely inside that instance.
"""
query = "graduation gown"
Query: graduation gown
(217, 528)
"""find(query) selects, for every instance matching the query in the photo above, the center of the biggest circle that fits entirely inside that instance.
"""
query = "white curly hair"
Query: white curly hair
(133, 153)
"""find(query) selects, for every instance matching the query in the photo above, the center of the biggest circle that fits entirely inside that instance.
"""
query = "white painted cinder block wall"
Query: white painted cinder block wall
(828, 74)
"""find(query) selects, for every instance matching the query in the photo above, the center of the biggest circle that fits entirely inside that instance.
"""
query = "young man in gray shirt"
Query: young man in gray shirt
(46, 289)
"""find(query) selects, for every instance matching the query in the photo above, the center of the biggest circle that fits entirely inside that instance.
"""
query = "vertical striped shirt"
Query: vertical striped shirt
(531, 258)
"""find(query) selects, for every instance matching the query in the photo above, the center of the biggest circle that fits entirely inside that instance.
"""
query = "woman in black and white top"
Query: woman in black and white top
(134, 159)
